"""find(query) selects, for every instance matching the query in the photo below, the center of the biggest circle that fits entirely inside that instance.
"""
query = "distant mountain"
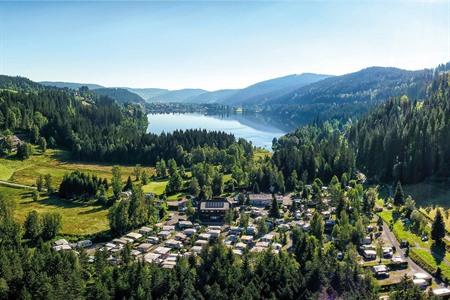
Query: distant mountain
(350, 95)
(212, 97)
(370, 84)
(120, 95)
(71, 85)
(147, 93)
(265, 91)
(180, 96)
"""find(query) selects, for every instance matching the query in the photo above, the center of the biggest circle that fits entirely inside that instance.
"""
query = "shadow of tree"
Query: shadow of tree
(438, 252)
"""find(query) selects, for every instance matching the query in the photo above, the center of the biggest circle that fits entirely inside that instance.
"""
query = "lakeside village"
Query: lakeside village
(248, 222)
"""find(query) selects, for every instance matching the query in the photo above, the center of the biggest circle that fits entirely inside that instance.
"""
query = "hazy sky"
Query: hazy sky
(213, 44)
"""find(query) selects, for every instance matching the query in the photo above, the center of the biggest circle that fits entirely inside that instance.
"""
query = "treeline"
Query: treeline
(314, 152)
(404, 140)
(78, 184)
(150, 148)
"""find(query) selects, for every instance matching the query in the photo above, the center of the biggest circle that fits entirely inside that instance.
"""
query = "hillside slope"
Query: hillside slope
(120, 95)
(370, 84)
(265, 91)
(180, 96)
(71, 85)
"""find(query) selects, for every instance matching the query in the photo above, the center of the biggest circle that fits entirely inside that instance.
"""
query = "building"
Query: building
(441, 292)
(263, 199)
(213, 211)
(12, 141)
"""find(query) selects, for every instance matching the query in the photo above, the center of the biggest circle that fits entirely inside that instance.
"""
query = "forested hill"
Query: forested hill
(70, 85)
(18, 83)
(120, 95)
(368, 85)
(349, 96)
(265, 91)
(406, 140)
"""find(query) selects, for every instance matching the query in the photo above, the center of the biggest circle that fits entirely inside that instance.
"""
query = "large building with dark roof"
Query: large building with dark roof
(213, 211)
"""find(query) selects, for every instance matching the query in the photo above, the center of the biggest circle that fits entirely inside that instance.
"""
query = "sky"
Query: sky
(216, 44)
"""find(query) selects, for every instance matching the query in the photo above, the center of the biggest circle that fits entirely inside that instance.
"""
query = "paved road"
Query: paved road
(17, 185)
(415, 268)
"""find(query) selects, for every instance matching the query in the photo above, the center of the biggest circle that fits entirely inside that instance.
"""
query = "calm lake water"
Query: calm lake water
(258, 129)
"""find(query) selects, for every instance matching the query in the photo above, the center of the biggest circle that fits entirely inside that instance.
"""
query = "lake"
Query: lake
(257, 128)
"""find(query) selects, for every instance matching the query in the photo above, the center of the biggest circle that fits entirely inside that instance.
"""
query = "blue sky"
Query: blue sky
(214, 44)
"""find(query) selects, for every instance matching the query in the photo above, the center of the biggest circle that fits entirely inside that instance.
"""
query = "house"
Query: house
(61, 242)
(204, 236)
(214, 233)
(381, 271)
(262, 244)
(153, 240)
(134, 235)
(387, 252)
(264, 199)
(441, 292)
(180, 236)
(174, 244)
(185, 224)
(240, 246)
(213, 211)
(168, 228)
(257, 249)
(251, 230)
(247, 239)
(152, 257)
(369, 254)
(196, 249)
(399, 262)
(10, 141)
(423, 276)
(238, 252)
(201, 242)
(84, 244)
(267, 238)
(366, 240)
(421, 283)
(164, 234)
(163, 251)
(235, 230)
(144, 247)
(189, 231)
(145, 230)
(64, 247)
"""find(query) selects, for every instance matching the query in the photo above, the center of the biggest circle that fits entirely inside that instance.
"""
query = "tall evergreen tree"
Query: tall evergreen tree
(399, 196)
(438, 227)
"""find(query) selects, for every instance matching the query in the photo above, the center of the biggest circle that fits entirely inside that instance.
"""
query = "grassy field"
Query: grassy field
(156, 187)
(77, 218)
(430, 193)
(56, 163)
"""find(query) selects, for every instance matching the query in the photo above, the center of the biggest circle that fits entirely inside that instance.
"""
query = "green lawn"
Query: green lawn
(77, 218)
(54, 162)
(156, 187)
